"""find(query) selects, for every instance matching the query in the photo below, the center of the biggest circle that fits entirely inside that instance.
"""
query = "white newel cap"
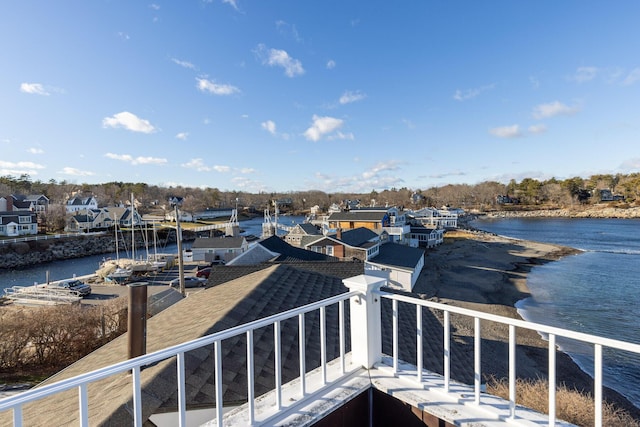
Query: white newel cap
(366, 332)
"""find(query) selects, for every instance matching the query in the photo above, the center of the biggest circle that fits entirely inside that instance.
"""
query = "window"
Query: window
(24, 219)
(330, 250)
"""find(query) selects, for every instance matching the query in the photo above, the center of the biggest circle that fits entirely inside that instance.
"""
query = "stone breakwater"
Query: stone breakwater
(25, 254)
(582, 212)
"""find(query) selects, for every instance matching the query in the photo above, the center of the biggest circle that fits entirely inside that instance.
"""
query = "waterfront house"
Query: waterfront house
(94, 219)
(216, 249)
(427, 237)
(388, 219)
(435, 218)
(18, 223)
(399, 264)
(305, 231)
(274, 249)
(359, 243)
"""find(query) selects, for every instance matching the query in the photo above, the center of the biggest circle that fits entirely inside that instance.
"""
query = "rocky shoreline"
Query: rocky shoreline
(591, 211)
(29, 253)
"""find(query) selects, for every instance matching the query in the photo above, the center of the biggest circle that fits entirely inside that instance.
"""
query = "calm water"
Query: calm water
(59, 270)
(597, 291)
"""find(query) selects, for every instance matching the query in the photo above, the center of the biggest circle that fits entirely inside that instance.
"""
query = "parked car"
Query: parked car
(81, 288)
(189, 282)
(204, 272)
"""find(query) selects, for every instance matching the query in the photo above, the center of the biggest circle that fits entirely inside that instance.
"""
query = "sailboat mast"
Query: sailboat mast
(133, 235)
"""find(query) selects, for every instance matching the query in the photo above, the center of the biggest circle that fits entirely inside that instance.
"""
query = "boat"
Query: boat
(119, 275)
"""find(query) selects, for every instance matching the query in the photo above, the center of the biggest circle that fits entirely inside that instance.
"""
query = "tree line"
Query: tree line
(529, 191)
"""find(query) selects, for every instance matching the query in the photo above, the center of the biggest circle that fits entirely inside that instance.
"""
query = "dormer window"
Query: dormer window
(24, 219)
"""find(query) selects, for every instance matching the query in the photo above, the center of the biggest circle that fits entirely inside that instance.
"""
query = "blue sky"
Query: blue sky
(338, 96)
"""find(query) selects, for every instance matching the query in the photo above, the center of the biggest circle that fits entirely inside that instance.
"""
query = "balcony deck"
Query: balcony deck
(338, 350)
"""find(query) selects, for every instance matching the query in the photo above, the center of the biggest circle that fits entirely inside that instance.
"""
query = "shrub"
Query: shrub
(571, 405)
(46, 339)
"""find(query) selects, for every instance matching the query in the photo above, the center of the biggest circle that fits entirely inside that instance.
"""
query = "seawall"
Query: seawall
(24, 254)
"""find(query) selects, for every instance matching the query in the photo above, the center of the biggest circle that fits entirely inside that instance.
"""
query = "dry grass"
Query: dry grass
(571, 405)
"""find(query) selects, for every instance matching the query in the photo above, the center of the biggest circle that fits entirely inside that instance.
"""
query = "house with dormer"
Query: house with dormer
(358, 244)
(95, 219)
(302, 232)
(388, 219)
(18, 223)
(76, 204)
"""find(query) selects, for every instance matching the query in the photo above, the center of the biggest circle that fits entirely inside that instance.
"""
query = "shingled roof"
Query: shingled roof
(257, 295)
(397, 255)
(288, 252)
(270, 290)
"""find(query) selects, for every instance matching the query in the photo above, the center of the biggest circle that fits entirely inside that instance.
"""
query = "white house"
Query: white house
(14, 224)
(76, 204)
(218, 248)
(399, 264)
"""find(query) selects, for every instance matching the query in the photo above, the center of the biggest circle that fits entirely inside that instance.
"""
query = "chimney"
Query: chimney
(137, 320)
(339, 234)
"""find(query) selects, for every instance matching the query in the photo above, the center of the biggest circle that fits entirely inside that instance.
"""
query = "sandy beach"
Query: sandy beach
(485, 272)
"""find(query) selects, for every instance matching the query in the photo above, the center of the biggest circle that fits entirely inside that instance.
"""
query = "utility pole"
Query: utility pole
(179, 237)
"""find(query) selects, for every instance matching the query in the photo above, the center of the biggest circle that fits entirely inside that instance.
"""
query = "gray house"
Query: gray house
(211, 249)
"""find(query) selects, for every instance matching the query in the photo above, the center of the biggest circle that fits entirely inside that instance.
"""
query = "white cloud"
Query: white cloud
(512, 131)
(140, 160)
(34, 150)
(275, 57)
(552, 109)
(536, 129)
(471, 93)
(182, 135)
(322, 126)
(221, 169)
(34, 89)
(128, 121)
(123, 36)
(331, 64)
(75, 172)
(185, 64)
(247, 170)
(632, 77)
(340, 135)
(269, 126)
(381, 176)
(154, 6)
(585, 74)
(349, 97)
(210, 86)
(288, 30)
(233, 3)
(379, 168)
(630, 165)
(198, 165)
(19, 168)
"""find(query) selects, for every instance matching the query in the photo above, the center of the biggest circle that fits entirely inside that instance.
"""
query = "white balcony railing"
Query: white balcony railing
(365, 306)
(552, 334)
(81, 382)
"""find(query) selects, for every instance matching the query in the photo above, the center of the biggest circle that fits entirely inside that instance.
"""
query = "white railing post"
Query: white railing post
(366, 331)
